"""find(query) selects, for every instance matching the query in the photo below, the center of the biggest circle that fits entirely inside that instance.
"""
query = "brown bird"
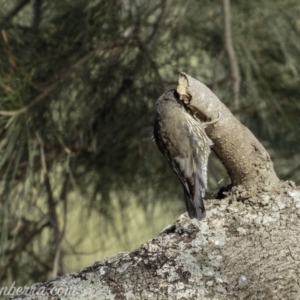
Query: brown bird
(182, 140)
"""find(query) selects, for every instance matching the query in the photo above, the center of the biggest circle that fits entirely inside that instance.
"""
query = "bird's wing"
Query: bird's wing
(192, 171)
(190, 177)
(184, 168)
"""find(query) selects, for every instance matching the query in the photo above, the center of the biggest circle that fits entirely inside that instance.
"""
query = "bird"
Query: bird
(181, 138)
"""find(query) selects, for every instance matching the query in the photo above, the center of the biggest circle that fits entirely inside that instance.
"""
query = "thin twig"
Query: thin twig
(21, 246)
(57, 264)
(234, 66)
(38, 259)
(152, 10)
(46, 180)
(37, 12)
(52, 214)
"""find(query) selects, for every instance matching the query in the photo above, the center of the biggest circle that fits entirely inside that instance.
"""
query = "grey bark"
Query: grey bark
(246, 248)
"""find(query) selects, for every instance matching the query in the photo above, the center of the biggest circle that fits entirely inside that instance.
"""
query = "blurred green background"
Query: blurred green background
(80, 178)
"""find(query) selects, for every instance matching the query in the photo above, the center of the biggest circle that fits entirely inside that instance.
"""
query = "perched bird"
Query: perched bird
(182, 140)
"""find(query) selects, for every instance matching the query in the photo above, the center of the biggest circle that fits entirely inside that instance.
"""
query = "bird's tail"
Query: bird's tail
(195, 205)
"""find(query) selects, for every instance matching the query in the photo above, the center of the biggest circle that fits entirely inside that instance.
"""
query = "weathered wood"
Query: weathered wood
(246, 160)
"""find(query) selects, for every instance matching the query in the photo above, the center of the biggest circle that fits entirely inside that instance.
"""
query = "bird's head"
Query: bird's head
(169, 99)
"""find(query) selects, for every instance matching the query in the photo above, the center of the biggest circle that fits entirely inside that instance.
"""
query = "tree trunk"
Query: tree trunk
(246, 248)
